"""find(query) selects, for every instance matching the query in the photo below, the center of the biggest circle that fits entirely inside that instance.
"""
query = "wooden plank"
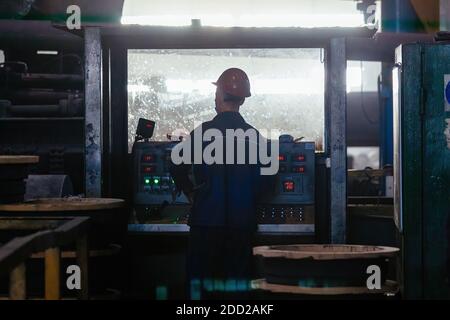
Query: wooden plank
(19, 159)
(23, 224)
(18, 283)
(112, 249)
(64, 204)
(52, 274)
(370, 173)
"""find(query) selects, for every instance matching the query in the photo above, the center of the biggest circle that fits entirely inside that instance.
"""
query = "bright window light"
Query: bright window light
(363, 76)
(261, 13)
(354, 79)
(259, 86)
(47, 52)
(306, 21)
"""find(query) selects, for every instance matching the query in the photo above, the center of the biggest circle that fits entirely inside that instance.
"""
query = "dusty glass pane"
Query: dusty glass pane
(173, 88)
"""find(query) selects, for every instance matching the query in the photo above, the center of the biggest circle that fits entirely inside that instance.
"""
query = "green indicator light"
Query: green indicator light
(147, 181)
(155, 181)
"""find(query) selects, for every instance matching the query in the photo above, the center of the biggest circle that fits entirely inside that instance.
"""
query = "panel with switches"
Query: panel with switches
(153, 187)
(292, 199)
(289, 207)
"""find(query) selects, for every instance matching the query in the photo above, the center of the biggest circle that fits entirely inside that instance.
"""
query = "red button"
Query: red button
(298, 169)
(148, 169)
(281, 157)
(299, 158)
(289, 186)
(148, 158)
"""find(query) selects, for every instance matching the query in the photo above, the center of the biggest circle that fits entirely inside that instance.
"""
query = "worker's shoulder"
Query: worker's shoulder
(202, 127)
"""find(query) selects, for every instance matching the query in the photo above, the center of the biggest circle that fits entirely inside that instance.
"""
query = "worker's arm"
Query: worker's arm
(180, 175)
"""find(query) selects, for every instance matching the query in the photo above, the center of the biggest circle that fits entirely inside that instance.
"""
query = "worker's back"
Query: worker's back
(227, 193)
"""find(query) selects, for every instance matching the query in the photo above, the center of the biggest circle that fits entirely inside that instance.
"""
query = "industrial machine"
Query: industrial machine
(289, 209)
(421, 83)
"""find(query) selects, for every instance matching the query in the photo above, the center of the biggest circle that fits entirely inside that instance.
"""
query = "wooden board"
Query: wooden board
(325, 252)
(94, 253)
(64, 204)
(390, 287)
(19, 159)
(373, 173)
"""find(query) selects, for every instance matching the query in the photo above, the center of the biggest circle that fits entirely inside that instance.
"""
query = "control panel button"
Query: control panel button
(282, 169)
(147, 182)
(298, 158)
(282, 158)
(298, 169)
(148, 158)
(148, 169)
(289, 186)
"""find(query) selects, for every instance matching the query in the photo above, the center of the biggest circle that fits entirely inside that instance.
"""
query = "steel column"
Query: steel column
(93, 112)
(337, 137)
(118, 147)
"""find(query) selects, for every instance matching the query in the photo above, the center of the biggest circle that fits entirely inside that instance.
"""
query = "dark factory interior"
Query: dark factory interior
(118, 182)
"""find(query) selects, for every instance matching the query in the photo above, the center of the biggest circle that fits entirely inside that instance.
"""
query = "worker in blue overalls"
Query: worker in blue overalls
(224, 196)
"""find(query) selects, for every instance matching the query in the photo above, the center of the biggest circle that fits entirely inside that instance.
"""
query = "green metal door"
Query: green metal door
(422, 165)
(436, 171)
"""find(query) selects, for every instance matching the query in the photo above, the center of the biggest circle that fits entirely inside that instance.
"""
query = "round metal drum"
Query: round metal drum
(324, 269)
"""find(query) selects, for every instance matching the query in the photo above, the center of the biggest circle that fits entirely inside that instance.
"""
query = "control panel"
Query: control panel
(153, 187)
(292, 200)
(289, 206)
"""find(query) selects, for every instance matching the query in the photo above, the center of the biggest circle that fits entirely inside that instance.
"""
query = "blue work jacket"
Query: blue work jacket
(225, 195)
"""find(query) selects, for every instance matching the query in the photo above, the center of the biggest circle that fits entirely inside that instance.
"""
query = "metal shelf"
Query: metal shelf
(31, 119)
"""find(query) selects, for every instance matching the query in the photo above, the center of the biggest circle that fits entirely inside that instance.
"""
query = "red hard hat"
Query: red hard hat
(235, 82)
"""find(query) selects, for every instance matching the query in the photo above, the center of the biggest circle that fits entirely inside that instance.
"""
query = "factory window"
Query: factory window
(261, 13)
(173, 87)
(363, 113)
(360, 158)
(362, 76)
